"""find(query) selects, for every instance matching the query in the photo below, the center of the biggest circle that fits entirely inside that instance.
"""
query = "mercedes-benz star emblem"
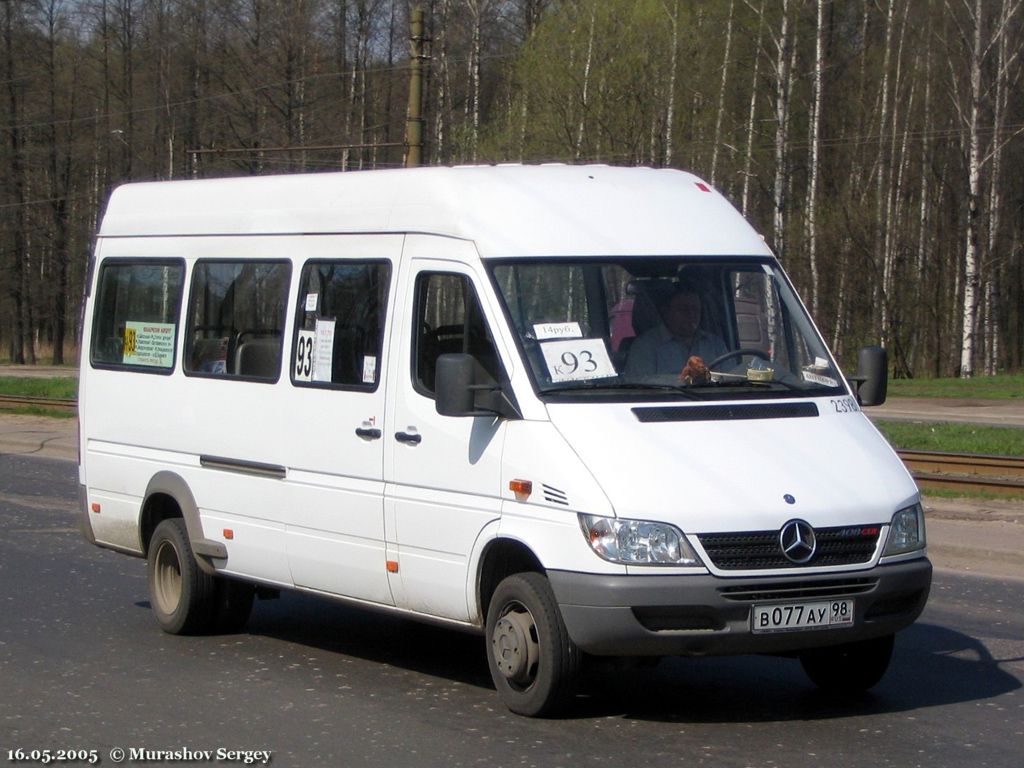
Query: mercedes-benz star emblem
(797, 541)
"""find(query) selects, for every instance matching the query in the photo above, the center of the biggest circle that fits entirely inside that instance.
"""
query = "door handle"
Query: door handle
(406, 437)
(368, 433)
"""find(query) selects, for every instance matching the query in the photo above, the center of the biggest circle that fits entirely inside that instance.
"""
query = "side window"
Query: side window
(236, 318)
(136, 315)
(448, 318)
(339, 326)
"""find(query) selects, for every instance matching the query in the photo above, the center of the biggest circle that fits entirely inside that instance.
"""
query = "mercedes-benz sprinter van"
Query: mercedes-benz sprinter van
(577, 409)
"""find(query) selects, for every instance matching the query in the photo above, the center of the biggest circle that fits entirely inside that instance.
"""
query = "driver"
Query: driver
(666, 348)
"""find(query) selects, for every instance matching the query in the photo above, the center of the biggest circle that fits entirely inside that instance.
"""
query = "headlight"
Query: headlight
(906, 533)
(637, 542)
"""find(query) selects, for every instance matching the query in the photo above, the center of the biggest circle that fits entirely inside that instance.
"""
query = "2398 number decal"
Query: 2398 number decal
(845, 405)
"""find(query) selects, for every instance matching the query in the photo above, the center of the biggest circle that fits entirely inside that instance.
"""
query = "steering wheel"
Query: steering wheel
(739, 353)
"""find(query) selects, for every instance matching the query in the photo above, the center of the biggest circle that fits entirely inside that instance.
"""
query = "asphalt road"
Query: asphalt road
(83, 665)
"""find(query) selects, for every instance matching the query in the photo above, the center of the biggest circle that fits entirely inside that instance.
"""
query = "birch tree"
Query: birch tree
(813, 160)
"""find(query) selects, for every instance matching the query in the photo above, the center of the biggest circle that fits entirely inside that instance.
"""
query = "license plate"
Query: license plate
(793, 617)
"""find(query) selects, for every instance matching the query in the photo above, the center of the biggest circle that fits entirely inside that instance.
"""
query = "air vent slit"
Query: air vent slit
(730, 412)
(554, 495)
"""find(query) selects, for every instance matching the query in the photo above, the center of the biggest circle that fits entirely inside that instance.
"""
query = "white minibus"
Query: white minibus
(577, 409)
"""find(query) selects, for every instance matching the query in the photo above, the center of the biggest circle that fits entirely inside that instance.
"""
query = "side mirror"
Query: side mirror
(872, 377)
(457, 393)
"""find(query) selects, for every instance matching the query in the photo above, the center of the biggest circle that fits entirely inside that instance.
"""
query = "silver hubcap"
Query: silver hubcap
(167, 578)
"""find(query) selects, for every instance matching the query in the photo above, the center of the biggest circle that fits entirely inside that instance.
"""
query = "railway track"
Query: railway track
(25, 401)
(1002, 475)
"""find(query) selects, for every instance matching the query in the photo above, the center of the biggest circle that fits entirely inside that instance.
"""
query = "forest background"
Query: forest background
(877, 144)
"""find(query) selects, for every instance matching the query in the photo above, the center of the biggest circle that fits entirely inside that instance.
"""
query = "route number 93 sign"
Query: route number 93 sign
(577, 360)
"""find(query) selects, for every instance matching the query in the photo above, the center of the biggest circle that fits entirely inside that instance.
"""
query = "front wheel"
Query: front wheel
(849, 668)
(533, 662)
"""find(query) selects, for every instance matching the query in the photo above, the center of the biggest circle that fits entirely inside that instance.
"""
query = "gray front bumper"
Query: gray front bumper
(710, 616)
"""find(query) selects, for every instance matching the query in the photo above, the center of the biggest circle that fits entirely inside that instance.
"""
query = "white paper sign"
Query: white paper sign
(814, 378)
(149, 344)
(311, 299)
(557, 331)
(369, 369)
(305, 351)
(323, 360)
(577, 360)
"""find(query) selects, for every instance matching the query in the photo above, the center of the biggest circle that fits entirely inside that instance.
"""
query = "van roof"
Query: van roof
(506, 210)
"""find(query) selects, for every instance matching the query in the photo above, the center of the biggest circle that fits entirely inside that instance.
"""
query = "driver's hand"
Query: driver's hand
(695, 371)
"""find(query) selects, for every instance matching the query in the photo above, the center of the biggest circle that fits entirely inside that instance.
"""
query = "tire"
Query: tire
(850, 668)
(182, 596)
(533, 662)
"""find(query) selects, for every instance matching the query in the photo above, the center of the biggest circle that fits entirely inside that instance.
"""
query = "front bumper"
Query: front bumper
(710, 616)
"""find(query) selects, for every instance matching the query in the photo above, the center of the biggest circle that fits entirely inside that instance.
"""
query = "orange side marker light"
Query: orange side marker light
(229, 533)
(96, 507)
(521, 488)
(392, 566)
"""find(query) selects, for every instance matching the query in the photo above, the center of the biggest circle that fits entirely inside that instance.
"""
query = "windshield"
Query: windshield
(701, 329)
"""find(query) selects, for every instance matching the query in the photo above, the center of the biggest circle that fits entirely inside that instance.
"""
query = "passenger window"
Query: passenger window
(236, 318)
(448, 318)
(339, 326)
(137, 307)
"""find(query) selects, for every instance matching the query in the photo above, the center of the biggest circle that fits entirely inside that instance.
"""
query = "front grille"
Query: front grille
(760, 550)
(799, 590)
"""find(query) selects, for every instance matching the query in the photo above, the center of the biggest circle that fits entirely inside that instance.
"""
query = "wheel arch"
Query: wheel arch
(501, 557)
(167, 496)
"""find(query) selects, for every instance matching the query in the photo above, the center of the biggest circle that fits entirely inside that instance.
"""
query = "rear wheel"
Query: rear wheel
(849, 668)
(185, 599)
(181, 594)
(533, 662)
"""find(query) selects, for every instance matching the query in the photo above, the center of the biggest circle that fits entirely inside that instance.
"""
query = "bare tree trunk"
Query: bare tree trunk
(670, 106)
(814, 170)
(925, 238)
(353, 80)
(477, 8)
(783, 82)
(971, 277)
(126, 41)
(60, 183)
(584, 103)
(721, 96)
(752, 115)
(19, 255)
(991, 326)
(442, 78)
(879, 298)
(896, 165)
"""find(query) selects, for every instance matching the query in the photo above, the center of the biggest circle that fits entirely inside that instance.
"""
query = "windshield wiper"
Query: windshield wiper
(594, 384)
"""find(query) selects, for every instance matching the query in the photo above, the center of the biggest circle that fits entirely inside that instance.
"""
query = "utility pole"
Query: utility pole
(414, 121)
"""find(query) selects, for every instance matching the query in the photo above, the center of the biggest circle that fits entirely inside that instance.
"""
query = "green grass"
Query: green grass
(955, 438)
(949, 493)
(1009, 386)
(32, 387)
(66, 387)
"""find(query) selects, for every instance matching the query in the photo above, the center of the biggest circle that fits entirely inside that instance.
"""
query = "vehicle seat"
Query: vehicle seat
(260, 358)
(648, 295)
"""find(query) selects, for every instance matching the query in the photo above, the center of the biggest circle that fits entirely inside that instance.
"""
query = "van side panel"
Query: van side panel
(316, 518)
